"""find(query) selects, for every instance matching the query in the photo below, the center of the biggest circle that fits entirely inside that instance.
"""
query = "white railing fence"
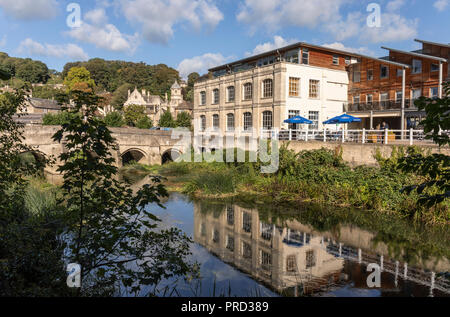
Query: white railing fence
(363, 136)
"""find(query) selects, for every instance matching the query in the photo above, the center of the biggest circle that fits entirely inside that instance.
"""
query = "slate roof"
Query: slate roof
(44, 103)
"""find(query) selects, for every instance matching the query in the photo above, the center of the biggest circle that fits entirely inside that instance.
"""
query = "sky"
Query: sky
(195, 35)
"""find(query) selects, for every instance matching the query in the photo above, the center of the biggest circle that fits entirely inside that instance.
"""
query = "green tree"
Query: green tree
(184, 120)
(79, 78)
(166, 120)
(120, 96)
(113, 236)
(30, 250)
(134, 113)
(189, 90)
(60, 118)
(114, 119)
(434, 168)
(144, 123)
(4, 73)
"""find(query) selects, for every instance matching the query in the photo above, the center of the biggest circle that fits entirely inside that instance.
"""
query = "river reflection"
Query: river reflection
(289, 258)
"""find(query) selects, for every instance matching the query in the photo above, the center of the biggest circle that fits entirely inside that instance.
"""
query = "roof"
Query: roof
(149, 99)
(432, 43)
(307, 45)
(44, 103)
(286, 48)
(385, 61)
(175, 85)
(417, 54)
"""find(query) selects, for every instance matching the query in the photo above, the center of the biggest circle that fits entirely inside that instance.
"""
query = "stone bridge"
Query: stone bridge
(143, 146)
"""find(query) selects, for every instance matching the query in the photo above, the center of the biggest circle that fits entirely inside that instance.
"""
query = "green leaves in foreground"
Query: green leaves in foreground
(435, 168)
(113, 236)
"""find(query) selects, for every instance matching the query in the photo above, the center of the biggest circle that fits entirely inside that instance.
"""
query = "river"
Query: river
(249, 249)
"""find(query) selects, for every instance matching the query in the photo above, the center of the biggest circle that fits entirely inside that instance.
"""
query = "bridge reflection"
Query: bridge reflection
(292, 259)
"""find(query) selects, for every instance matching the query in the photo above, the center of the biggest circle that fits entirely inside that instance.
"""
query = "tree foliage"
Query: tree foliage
(434, 168)
(134, 113)
(114, 119)
(25, 69)
(30, 251)
(166, 120)
(114, 237)
(79, 78)
(110, 75)
(184, 120)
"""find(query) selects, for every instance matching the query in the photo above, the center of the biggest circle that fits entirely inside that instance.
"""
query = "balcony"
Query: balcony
(379, 106)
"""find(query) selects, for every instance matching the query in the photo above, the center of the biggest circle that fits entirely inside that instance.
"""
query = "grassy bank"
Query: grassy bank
(319, 176)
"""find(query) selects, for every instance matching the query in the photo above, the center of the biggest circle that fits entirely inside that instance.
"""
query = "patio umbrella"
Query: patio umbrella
(345, 118)
(298, 120)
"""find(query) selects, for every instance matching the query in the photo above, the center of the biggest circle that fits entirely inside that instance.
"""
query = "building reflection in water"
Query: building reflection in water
(291, 259)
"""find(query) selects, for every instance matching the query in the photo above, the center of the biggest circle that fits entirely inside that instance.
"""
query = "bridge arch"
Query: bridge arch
(133, 155)
(36, 158)
(170, 155)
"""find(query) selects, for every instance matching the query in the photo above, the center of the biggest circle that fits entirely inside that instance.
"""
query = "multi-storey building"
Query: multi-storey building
(318, 83)
(385, 89)
(262, 91)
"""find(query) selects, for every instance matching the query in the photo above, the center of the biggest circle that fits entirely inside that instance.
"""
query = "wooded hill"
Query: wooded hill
(110, 76)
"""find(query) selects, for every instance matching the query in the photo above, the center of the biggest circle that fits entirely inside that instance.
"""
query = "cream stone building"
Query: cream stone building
(156, 105)
(262, 91)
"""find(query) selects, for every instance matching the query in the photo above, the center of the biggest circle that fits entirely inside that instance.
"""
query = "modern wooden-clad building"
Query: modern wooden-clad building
(385, 89)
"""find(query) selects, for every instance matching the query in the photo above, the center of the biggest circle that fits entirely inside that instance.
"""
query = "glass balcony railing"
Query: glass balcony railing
(379, 105)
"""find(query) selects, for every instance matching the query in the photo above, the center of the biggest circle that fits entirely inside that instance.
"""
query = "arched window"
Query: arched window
(202, 123)
(248, 121)
(202, 98)
(230, 122)
(215, 121)
(216, 96)
(230, 94)
(248, 91)
(267, 88)
(267, 120)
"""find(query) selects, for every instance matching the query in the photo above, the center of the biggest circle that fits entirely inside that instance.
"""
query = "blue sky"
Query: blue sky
(194, 35)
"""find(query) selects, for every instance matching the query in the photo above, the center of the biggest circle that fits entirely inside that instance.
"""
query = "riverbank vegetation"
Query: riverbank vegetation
(319, 176)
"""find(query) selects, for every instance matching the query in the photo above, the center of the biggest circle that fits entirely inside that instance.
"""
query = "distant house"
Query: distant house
(156, 105)
(41, 106)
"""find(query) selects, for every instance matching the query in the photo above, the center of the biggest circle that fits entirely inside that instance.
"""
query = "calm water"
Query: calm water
(248, 251)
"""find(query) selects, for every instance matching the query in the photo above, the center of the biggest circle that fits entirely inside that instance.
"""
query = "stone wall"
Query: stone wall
(356, 154)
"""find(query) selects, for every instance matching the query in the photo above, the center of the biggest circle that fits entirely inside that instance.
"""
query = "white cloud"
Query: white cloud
(158, 18)
(71, 51)
(342, 47)
(30, 9)
(278, 42)
(201, 64)
(326, 15)
(441, 5)
(276, 14)
(393, 28)
(95, 30)
(394, 5)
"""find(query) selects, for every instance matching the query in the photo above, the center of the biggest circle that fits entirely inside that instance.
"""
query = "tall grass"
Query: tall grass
(40, 198)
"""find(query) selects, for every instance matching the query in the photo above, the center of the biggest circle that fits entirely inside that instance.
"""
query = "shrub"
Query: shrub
(144, 123)
(114, 119)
